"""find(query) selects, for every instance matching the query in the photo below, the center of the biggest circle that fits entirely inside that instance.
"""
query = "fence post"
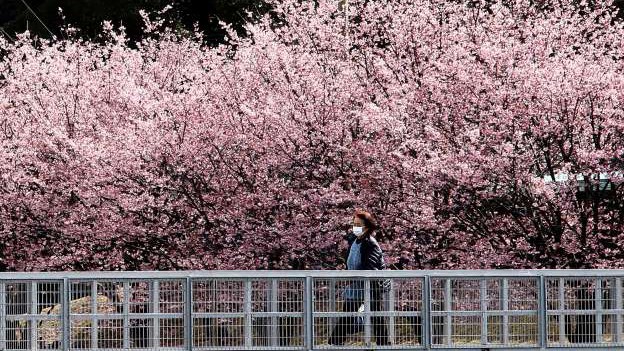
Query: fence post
(505, 308)
(33, 312)
(126, 310)
(367, 310)
(155, 300)
(94, 312)
(483, 306)
(332, 303)
(2, 315)
(188, 313)
(65, 314)
(561, 305)
(542, 317)
(598, 309)
(274, 309)
(618, 307)
(309, 313)
(391, 322)
(426, 318)
(448, 306)
(248, 330)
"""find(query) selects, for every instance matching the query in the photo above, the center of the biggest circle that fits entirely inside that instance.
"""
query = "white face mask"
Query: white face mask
(358, 231)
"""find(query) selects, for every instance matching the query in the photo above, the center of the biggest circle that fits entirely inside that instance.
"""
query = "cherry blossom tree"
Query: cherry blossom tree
(450, 121)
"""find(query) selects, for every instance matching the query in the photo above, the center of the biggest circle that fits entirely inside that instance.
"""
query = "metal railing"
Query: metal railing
(312, 310)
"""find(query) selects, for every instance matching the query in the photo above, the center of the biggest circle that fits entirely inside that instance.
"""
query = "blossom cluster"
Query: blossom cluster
(444, 119)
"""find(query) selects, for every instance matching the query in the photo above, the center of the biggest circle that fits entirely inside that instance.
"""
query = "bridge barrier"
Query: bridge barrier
(312, 310)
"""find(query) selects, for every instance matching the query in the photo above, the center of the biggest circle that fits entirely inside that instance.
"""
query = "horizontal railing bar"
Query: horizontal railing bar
(492, 313)
(534, 348)
(377, 347)
(51, 315)
(129, 315)
(372, 314)
(35, 317)
(388, 348)
(458, 274)
(108, 349)
(581, 312)
(45, 317)
(242, 314)
(17, 317)
(582, 347)
(227, 348)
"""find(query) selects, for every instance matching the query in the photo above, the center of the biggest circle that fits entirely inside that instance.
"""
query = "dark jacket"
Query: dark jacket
(371, 259)
(372, 256)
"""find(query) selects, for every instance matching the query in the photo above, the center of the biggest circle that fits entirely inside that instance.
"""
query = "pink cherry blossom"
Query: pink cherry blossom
(444, 119)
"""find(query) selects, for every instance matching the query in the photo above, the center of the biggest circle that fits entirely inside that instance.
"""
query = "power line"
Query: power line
(39, 19)
(7, 34)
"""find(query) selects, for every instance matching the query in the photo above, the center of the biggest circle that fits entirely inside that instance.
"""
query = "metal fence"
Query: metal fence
(312, 310)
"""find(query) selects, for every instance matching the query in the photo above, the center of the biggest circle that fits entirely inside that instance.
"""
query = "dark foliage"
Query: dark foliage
(89, 14)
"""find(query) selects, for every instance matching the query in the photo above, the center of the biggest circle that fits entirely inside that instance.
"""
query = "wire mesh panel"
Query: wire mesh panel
(584, 311)
(338, 313)
(223, 301)
(405, 299)
(169, 329)
(360, 312)
(484, 312)
(30, 315)
(126, 314)
(312, 310)
(3, 307)
(248, 313)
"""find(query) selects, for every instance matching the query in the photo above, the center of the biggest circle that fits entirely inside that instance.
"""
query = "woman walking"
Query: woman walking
(364, 254)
